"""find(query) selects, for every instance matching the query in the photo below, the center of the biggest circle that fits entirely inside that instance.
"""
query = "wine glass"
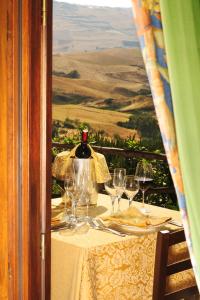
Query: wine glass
(73, 193)
(76, 193)
(119, 183)
(89, 187)
(144, 175)
(68, 187)
(111, 190)
(131, 187)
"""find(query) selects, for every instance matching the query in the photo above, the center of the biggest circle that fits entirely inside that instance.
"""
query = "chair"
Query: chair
(164, 269)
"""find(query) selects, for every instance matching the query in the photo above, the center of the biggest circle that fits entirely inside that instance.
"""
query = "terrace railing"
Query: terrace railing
(129, 154)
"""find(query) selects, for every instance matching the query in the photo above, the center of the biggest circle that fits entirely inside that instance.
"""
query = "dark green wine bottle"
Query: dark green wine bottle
(83, 150)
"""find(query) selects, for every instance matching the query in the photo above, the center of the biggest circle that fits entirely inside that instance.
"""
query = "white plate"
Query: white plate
(139, 230)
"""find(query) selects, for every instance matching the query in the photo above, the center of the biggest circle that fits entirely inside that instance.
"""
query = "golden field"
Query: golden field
(99, 119)
(110, 85)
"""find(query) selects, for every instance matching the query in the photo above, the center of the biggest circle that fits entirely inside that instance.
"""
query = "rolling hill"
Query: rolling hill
(78, 28)
(97, 118)
(107, 85)
(110, 79)
(98, 71)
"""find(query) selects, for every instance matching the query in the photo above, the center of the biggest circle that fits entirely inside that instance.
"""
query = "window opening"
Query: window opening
(99, 81)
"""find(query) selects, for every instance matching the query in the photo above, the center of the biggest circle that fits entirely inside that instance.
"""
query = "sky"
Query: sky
(110, 3)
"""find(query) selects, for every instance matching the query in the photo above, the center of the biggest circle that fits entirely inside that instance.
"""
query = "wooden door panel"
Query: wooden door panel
(3, 160)
(25, 159)
(9, 187)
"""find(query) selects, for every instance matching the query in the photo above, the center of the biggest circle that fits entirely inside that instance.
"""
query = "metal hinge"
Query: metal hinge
(42, 246)
(44, 12)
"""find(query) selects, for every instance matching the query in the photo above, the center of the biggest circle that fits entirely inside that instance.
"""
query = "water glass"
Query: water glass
(131, 187)
(68, 187)
(88, 191)
(111, 190)
(119, 183)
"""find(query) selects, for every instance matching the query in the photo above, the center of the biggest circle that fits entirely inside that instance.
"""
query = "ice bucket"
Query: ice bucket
(85, 169)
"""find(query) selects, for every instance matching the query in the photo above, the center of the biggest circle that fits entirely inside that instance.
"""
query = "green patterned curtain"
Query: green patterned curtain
(181, 26)
(149, 25)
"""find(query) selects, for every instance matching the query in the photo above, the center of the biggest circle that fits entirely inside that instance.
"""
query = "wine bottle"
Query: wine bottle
(83, 150)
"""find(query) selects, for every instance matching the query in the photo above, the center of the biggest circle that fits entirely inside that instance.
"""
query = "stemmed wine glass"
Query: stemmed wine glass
(131, 187)
(76, 194)
(119, 183)
(73, 186)
(111, 190)
(68, 187)
(89, 187)
(144, 175)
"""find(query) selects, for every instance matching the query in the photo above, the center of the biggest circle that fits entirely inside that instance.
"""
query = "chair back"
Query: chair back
(163, 269)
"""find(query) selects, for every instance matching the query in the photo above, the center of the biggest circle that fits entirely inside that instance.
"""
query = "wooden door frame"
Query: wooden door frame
(8, 151)
(25, 149)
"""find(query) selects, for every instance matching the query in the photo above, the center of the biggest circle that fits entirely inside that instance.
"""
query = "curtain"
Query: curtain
(181, 26)
(149, 26)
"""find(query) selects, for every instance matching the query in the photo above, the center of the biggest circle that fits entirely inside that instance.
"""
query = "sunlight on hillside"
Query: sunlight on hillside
(98, 72)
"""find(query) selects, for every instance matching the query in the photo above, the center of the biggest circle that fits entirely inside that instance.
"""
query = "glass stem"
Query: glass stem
(129, 201)
(65, 207)
(143, 198)
(74, 209)
(113, 204)
(87, 212)
(118, 198)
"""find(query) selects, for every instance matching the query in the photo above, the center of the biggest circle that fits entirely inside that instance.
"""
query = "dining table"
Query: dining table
(99, 265)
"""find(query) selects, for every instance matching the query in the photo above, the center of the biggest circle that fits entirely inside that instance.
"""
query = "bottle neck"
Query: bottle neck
(84, 136)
